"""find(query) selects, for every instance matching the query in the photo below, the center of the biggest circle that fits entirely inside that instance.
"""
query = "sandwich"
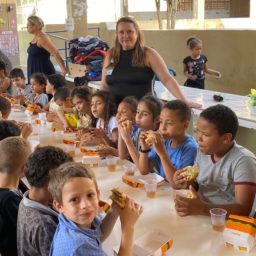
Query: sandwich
(191, 172)
(127, 123)
(118, 197)
(149, 139)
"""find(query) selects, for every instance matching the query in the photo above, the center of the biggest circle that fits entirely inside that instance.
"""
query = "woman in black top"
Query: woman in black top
(130, 65)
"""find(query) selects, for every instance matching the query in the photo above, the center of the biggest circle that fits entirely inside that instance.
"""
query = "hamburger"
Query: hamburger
(149, 139)
(127, 123)
(191, 172)
(118, 197)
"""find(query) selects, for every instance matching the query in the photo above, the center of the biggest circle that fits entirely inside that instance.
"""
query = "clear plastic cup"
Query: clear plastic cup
(129, 169)
(218, 219)
(70, 149)
(111, 164)
(58, 135)
(151, 188)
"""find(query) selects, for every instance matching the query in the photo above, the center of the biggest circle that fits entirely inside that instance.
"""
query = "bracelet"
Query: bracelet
(144, 150)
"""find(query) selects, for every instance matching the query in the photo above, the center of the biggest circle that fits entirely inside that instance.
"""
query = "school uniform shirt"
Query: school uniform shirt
(112, 124)
(72, 240)
(26, 91)
(53, 105)
(35, 228)
(41, 99)
(180, 157)
(9, 204)
(217, 180)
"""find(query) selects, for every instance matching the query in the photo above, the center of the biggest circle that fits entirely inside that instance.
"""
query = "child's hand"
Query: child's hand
(189, 206)
(193, 77)
(99, 133)
(105, 150)
(130, 214)
(158, 142)
(180, 180)
(124, 131)
(143, 144)
(218, 75)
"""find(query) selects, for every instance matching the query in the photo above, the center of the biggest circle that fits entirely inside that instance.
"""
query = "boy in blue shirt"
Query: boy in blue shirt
(172, 149)
(80, 231)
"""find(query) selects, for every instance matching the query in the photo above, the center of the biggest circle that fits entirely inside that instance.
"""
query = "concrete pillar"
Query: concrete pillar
(77, 10)
(198, 12)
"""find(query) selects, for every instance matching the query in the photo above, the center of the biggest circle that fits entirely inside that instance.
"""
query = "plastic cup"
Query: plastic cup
(129, 169)
(70, 149)
(58, 136)
(150, 188)
(42, 117)
(218, 218)
(111, 164)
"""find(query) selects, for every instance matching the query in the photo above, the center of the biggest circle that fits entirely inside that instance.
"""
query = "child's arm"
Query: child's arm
(47, 107)
(61, 115)
(126, 146)
(128, 217)
(159, 146)
(189, 76)
(144, 164)
(244, 197)
(109, 222)
(211, 71)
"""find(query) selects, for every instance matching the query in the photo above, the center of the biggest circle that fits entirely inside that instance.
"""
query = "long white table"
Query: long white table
(205, 97)
(192, 235)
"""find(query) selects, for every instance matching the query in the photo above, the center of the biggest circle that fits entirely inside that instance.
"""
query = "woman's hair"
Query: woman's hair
(40, 78)
(110, 107)
(57, 81)
(37, 21)
(3, 67)
(138, 58)
(82, 92)
(153, 103)
(193, 41)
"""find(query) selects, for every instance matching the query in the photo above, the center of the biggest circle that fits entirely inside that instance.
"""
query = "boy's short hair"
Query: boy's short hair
(132, 102)
(181, 108)
(223, 118)
(57, 81)
(40, 78)
(8, 129)
(62, 93)
(5, 106)
(10, 148)
(65, 172)
(153, 103)
(41, 162)
(17, 72)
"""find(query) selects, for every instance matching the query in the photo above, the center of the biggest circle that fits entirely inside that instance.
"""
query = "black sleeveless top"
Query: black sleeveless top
(39, 61)
(126, 80)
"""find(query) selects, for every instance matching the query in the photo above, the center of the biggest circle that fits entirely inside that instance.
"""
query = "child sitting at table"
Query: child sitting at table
(147, 118)
(80, 231)
(10, 173)
(38, 96)
(172, 149)
(103, 111)
(5, 82)
(5, 108)
(81, 99)
(227, 171)
(36, 218)
(65, 113)
(18, 79)
(55, 81)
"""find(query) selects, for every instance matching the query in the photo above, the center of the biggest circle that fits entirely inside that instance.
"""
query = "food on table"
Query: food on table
(118, 197)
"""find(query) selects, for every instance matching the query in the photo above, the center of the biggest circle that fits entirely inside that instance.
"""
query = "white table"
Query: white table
(192, 235)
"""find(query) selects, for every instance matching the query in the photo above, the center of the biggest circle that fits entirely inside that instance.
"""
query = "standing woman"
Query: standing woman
(40, 49)
(129, 66)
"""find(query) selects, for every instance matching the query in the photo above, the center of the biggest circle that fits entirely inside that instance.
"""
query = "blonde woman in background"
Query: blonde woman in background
(40, 49)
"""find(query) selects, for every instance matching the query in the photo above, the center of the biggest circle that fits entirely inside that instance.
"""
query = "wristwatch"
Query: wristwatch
(144, 150)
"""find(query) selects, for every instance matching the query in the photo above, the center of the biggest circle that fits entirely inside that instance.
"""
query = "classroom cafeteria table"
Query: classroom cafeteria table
(192, 235)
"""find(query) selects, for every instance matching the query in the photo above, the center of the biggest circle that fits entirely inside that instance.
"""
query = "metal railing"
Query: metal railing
(66, 40)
